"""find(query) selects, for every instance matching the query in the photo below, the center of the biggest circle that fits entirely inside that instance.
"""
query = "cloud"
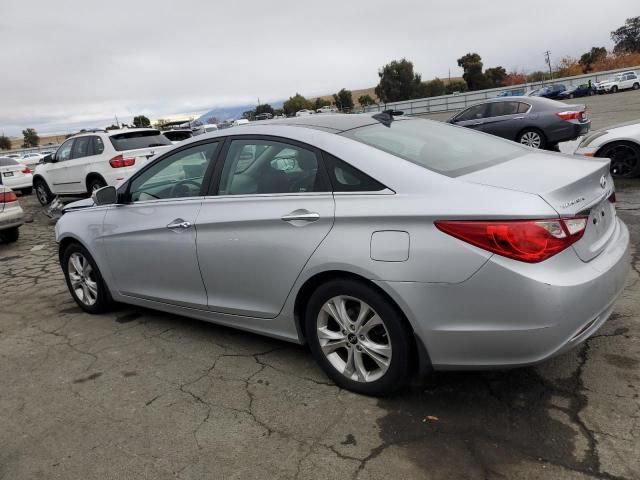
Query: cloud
(80, 63)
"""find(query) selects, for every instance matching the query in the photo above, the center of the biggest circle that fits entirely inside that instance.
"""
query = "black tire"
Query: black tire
(10, 235)
(45, 197)
(614, 89)
(625, 158)
(95, 183)
(636, 86)
(394, 332)
(527, 132)
(103, 301)
(571, 95)
(27, 191)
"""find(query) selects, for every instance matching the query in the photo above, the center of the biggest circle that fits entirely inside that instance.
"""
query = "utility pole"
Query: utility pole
(117, 124)
(547, 59)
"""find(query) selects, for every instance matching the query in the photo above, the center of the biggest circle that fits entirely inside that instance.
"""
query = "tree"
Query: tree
(31, 138)
(295, 103)
(249, 114)
(471, 63)
(538, 76)
(112, 127)
(5, 143)
(366, 100)
(343, 100)
(514, 78)
(495, 76)
(568, 67)
(398, 82)
(456, 86)
(321, 102)
(141, 121)
(435, 88)
(627, 37)
(160, 123)
(592, 56)
(264, 108)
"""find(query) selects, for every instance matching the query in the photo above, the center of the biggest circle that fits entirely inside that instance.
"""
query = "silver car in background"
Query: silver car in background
(387, 244)
(11, 215)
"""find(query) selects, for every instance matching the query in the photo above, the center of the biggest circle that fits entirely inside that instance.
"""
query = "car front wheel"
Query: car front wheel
(359, 339)
(614, 89)
(96, 184)
(84, 280)
(45, 197)
(532, 138)
(625, 158)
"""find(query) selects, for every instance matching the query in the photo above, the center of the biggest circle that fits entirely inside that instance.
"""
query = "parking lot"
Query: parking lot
(137, 393)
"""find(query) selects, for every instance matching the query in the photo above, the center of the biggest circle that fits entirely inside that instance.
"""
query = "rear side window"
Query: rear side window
(440, 147)
(98, 145)
(498, 109)
(345, 178)
(81, 147)
(136, 139)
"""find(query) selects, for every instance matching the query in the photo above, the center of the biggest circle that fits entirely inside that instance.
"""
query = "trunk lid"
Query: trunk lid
(573, 186)
(142, 155)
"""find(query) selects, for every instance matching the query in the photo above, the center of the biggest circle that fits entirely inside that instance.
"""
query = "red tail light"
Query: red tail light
(7, 197)
(528, 241)
(26, 170)
(119, 161)
(569, 115)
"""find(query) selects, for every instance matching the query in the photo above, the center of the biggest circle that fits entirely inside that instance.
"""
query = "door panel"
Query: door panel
(149, 260)
(249, 256)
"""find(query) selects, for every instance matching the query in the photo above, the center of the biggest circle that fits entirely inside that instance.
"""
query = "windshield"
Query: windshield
(440, 147)
(134, 140)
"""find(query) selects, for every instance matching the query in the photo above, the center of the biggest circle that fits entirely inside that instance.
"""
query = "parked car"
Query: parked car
(583, 90)
(327, 109)
(620, 143)
(31, 159)
(512, 93)
(535, 122)
(12, 155)
(206, 128)
(178, 135)
(550, 91)
(92, 160)
(264, 116)
(15, 175)
(11, 215)
(304, 112)
(384, 243)
(622, 81)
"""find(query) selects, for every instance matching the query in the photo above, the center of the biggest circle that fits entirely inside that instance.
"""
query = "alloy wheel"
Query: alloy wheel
(82, 279)
(41, 192)
(354, 338)
(531, 139)
(624, 159)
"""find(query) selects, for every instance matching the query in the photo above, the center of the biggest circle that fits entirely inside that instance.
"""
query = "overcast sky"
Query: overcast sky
(78, 63)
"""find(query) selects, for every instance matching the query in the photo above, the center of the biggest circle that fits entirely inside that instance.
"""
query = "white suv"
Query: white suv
(94, 159)
(622, 81)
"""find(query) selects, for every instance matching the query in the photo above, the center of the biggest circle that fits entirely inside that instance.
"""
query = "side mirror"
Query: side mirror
(105, 196)
(47, 158)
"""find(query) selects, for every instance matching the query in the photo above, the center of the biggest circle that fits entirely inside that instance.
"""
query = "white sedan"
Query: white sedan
(31, 159)
(15, 175)
(620, 143)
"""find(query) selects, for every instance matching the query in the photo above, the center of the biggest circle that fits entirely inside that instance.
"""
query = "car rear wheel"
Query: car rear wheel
(96, 183)
(359, 339)
(625, 158)
(45, 197)
(10, 235)
(84, 280)
(532, 138)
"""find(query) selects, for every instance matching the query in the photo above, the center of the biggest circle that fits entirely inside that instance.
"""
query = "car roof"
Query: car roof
(336, 122)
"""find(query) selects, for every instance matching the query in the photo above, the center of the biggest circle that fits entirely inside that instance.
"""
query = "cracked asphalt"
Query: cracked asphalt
(141, 394)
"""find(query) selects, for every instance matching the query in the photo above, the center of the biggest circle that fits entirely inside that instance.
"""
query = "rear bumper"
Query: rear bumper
(11, 217)
(24, 181)
(512, 314)
(568, 131)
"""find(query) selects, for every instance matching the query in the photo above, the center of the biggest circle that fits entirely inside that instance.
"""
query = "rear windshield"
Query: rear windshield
(177, 136)
(138, 139)
(440, 147)
(8, 162)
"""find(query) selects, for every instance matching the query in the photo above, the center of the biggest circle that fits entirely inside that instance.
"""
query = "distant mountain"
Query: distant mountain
(231, 113)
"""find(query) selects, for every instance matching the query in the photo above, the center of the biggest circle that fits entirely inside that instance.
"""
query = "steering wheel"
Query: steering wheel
(177, 192)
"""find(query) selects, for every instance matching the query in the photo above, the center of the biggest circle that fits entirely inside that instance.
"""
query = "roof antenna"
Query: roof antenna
(386, 116)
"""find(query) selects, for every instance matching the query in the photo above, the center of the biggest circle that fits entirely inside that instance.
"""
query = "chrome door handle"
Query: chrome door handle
(518, 118)
(179, 223)
(301, 216)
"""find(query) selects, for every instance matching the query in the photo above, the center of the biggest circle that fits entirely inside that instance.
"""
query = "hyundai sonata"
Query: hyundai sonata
(387, 244)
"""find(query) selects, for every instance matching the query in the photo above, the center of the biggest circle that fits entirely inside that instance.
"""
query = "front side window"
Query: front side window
(265, 166)
(437, 146)
(473, 113)
(64, 152)
(177, 176)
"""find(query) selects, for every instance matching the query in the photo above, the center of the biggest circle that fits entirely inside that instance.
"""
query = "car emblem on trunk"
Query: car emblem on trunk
(603, 181)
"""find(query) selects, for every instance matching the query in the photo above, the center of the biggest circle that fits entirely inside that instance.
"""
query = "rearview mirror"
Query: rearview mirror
(105, 196)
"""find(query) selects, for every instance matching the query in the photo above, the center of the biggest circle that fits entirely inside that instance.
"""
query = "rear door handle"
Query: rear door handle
(179, 224)
(301, 215)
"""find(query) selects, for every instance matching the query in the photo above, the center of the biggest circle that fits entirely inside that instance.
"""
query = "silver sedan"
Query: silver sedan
(391, 246)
